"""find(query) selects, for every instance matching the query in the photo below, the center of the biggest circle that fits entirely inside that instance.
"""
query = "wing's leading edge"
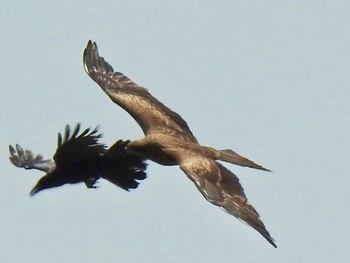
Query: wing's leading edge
(152, 115)
(222, 188)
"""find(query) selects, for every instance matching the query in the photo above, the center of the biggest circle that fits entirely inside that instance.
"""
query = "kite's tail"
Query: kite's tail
(234, 158)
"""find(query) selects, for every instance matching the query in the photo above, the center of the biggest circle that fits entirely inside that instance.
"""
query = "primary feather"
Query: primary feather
(169, 141)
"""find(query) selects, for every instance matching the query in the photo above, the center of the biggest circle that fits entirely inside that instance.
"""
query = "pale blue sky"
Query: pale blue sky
(268, 79)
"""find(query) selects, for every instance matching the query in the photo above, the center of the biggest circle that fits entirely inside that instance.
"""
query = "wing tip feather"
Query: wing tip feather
(93, 61)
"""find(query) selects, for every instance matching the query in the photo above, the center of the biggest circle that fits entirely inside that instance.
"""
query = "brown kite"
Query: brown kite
(169, 141)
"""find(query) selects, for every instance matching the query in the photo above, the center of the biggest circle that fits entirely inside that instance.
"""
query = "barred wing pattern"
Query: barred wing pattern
(152, 115)
(169, 141)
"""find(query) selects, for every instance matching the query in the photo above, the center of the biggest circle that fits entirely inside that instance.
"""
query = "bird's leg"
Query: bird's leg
(91, 183)
(26, 159)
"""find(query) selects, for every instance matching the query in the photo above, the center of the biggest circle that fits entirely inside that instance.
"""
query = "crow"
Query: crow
(81, 158)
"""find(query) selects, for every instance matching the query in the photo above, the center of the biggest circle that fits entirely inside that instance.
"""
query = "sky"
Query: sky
(268, 79)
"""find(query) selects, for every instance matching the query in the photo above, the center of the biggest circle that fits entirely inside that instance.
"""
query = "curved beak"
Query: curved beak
(35, 190)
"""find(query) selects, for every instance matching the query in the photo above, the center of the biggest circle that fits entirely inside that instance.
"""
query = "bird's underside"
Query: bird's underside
(169, 141)
(81, 158)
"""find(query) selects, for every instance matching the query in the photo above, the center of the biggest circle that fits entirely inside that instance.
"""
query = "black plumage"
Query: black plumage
(81, 158)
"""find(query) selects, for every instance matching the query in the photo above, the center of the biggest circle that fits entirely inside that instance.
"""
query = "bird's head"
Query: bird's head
(50, 180)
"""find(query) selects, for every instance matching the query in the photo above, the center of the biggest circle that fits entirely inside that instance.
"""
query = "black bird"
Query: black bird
(81, 158)
(169, 141)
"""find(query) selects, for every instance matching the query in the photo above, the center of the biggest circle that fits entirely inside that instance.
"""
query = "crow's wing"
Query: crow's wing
(122, 168)
(75, 148)
(27, 160)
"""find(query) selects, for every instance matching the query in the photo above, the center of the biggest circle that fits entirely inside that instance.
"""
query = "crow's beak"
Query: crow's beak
(34, 191)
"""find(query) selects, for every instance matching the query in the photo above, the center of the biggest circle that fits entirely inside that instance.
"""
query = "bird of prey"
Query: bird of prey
(169, 141)
(81, 158)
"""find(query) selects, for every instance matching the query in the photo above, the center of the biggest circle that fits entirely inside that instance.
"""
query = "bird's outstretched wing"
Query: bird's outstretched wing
(81, 158)
(73, 147)
(151, 114)
(222, 188)
(122, 168)
(27, 160)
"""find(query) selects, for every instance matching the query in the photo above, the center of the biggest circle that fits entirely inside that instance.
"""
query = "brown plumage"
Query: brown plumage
(81, 158)
(169, 141)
